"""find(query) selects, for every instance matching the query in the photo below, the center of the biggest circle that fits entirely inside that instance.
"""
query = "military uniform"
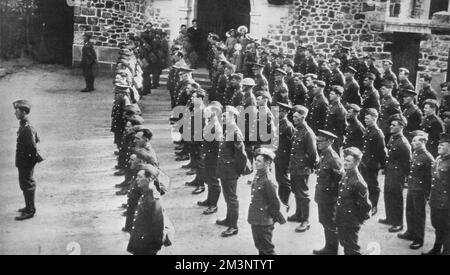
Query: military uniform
(222, 85)
(398, 166)
(389, 106)
(390, 76)
(445, 107)
(419, 183)
(329, 174)
(88, 59)
(311, 66)
(371, 99)
(301, 164)
(374, 158)
(352, 210)
(434, 127)
(337, 78)
(335, 122)
(354, 134)
(261, 83)
(286, 134)
(318, 112)
(440, 204)
(230, 166)
(263, 211)
(351, 93)
(211, 153)
(414, 116)
(403, 85)
(297, 94)
(281, 93)
(424, 94)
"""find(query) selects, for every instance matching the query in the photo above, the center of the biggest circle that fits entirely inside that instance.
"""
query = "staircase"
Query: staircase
(201, 76)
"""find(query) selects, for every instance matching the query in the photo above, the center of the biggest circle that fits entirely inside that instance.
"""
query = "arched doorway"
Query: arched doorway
(219, 16)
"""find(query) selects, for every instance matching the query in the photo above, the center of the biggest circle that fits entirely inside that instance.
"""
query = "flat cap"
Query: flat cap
(248, 82)
(313, 76)
(372, 112)
(284, 106)
(237, 76)
(264, 94)
(320, 83)
(370, 76)
(420, 133)
(339, 90)
(22, 104)
(350, 69)
(432, 102)
(354, 107)
(388, 62)
(257, 65)
(265, 152)
(354, 152)
(200, 93)
(409, 92)
(404, 70)
(399, 118)
(185, 70)
(232, 109)
(445, 138)
(326, 134)
(300, 109)
(280, 71)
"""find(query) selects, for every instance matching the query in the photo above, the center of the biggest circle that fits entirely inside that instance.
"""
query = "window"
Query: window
(437, 6)
(394, 8)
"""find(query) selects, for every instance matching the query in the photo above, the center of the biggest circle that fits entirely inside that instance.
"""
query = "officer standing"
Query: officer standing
(301, 164)
(411, 112)
(398, 167)
(329, 174)
(419, 183)
(389, 107)
(432, 125)
(440, 199)
(27, 157)
(335, 121)
(88, 60)
(230, 166)
(371, 96)
(264, 210)
(286, 134)
(319, 107)
(427, 91)
(355, 130)
(351, 87)
(261, 82)
(374, 157)
(352, 205)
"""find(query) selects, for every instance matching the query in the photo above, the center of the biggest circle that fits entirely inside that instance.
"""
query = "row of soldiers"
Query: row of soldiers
(137, 160)
(339, 109)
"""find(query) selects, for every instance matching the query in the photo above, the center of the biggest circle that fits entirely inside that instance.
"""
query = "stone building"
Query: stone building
(413, 33)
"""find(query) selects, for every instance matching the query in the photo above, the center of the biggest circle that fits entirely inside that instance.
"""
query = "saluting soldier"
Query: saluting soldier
(319, 107)
(27, 156)
(264, 209)
(389, 107)
(329, 174)
(351, 88)
(374, 157)
(230, 166)
(301, 165)
(355, 130)
(432, 125)
(440, 199)
(286, 135)
(335, 121)
(419, 184)
(353, 206)
(427, 91)
(411, 112)
(398, 167)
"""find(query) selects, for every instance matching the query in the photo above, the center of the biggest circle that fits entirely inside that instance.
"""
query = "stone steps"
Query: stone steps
(201, 76)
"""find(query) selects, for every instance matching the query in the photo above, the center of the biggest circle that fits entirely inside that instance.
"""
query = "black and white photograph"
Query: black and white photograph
(224, 128)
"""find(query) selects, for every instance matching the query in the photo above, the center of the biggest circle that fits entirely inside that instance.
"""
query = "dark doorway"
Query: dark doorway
(405, 53)
(57, 24)
(437, 6)
(219, 16)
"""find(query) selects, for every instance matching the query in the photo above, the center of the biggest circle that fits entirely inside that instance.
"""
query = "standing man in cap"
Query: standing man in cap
(419, 184)
(88, 60)
(329, 174)
(371, 96)
(27, 157)
(398, 167)
(369, 61)
(286, 135)
(230, 166)
(311, 63)
(264, 210)
(403, 82)
(234, 87)
(427, 91)
(335, 120)
(301, 165)
(440, 199)
(411, 112)
(297, 90)
(388, 74)
(351, 88)
(389, 107)
(281, 91)
(319, 107)
(432, 125)
(337, 77)
(352, 204)
(374, 157)
(310, 86)
(355, 130)
(325, 74)
(261, 81)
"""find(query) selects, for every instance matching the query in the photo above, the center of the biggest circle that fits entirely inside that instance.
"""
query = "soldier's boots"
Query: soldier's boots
(200, 189)
(30, 209)
(294, 218)
(231, 231)
(303, 227)
(122, 192)
(205, 203)
(326, 251)
(211, 210)
(224, 222)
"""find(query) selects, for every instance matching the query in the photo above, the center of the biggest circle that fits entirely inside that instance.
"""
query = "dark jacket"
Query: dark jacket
(434, 126)
(353, 206)
(264, 206)
(424, 94)
(26, 150)
(261, 83)
(351, 93)
(335, 121)
(337, 78)
(420, 176)
(371, 99)
(414, 116)
(286, 135)
(88, 55)
(232, 158)
(389, 107)
(304, 152)
(398, 164)
(374, 148)
(318, 113)
(354, 134)
(440, 185)
(329, 175)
